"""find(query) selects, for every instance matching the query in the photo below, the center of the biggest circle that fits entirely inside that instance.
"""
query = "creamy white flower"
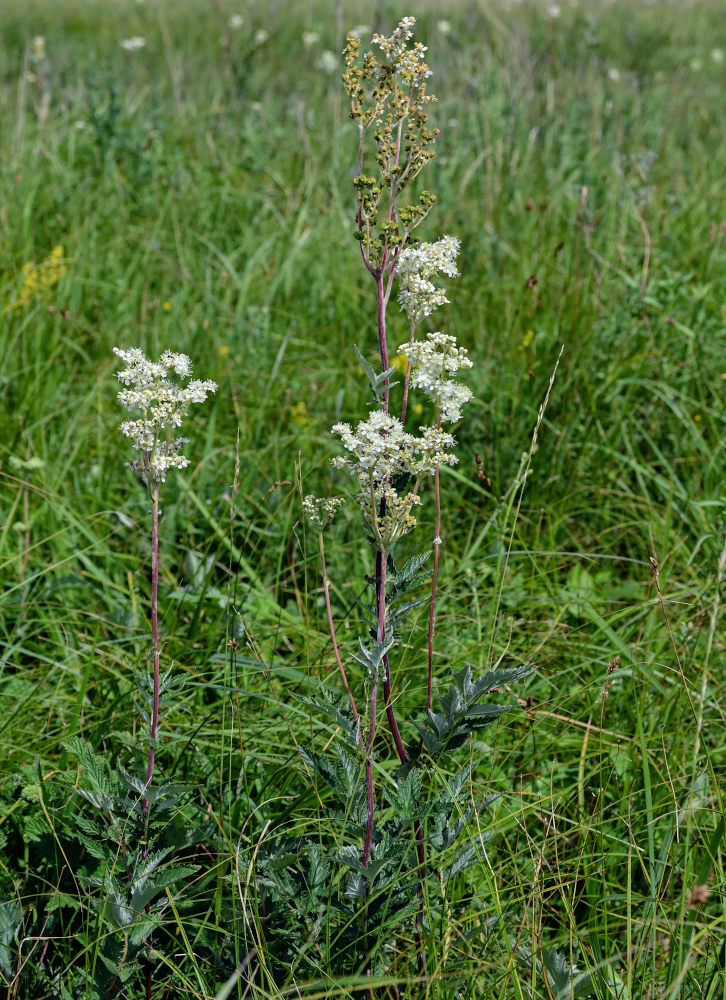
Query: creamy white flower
(133, 44)
(414, 269)
(443, 27)
(717, 55)
(408, 63)
(382, 453)
(148, 387)
(321, 511)
(235, 21)
(327, 61)
(261, 36)
(310, 38)
(432, 361)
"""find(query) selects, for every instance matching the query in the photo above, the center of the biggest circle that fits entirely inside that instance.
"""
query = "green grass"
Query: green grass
(201, 191)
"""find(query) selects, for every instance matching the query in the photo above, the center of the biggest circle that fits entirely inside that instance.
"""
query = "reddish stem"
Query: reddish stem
(383, 346)
(154, 636)
(380, 635)
(434, 578)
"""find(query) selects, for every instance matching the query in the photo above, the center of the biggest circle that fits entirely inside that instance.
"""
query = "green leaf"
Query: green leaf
(11, 922)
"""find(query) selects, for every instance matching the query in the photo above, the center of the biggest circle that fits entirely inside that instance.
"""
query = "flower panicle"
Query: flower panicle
(414, 269)
(385, 459)
(320, 512)
(150, 386)
(432, 360)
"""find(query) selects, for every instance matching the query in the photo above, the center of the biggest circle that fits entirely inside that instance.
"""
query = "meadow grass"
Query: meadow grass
(200, 189)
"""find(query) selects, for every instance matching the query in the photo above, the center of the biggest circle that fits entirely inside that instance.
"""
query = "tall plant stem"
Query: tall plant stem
(331, 626)
(382, 343)
(381, 302)
(434, 580)
(380, 635)
(154, 637)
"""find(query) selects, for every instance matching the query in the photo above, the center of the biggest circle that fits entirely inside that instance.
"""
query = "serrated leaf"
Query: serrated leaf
(336, 707)
(11, 922)
(403, 580)
(356, 886)
(409, 794)
(97, 849)
(143, 894)
(377, 381)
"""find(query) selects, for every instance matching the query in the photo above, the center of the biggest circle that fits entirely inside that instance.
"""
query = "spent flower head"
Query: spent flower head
(432, 360)
(387, 92)
(149, 387)
(416, 266)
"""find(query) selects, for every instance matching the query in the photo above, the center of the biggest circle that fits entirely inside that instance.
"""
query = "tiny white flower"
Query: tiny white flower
(327, 61)
(717, 55)
(163, 404)
(37, 47)
(321, 511)
(554, 11)
(80, 124)
(133, 44)
(696, 65)
(261, 36)
(437, 540)
(432, 361)
(416, 265)
(310, 38)
(235, 21)
(443, 27)
(614, 74)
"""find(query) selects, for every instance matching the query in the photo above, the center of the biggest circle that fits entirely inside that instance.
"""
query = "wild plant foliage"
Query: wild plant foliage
(358, 897)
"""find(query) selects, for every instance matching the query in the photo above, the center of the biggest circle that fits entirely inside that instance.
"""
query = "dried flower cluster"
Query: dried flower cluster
(163, 403)
(388, 94)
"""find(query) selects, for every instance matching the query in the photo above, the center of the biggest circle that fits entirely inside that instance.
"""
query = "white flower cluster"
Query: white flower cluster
(417, 293)
(382, 452)
(164, 404)
(321, 511)
(431, 361)
(408, 63)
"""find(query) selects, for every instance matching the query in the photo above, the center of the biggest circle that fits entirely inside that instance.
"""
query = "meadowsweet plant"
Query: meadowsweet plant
(139, 829)
(373, 888)
(162, 404)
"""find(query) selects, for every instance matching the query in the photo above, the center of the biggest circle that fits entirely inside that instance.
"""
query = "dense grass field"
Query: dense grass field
(194, 193)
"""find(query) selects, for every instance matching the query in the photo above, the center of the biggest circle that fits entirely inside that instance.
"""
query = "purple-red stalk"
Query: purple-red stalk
(380, 635)
(154, 636)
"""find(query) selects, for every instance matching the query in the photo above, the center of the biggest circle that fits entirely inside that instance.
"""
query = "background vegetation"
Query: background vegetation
(199, 188)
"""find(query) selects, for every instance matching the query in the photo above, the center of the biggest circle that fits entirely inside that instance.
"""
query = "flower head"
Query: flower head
(415, 267)
(321, 511)
(163, 402)
(133, 44)
(431, 361)
(385, 459)
(408, 63)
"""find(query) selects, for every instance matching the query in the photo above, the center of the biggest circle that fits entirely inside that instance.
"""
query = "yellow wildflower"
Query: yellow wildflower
(39, 278)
